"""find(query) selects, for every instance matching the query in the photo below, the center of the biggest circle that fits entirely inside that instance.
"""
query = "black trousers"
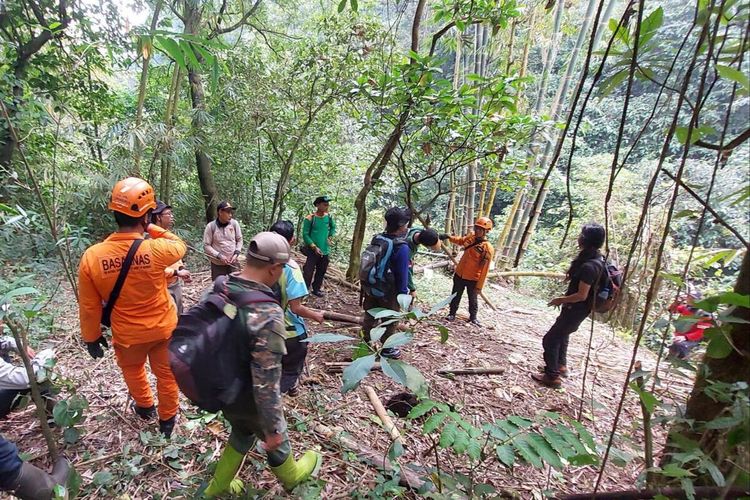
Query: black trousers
(316, 265)
(369, 322)
(293, 362)
(219, 270)
(459, 285)
(10, 399)
(555, 342)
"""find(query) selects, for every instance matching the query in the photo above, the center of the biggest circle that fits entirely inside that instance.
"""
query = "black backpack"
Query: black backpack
(209, 351)
(608, 295)
(375, 276)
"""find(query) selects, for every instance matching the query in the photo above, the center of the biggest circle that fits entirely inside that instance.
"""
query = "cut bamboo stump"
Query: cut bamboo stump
(344, 318)
(388, 424)
(496, 370)
(340, 366)
(408, 476)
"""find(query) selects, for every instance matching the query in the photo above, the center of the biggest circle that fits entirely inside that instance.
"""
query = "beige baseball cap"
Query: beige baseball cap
(269, 247)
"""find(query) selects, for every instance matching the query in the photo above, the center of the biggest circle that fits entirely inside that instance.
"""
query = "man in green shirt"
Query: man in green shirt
(414, 237)
(317, 230)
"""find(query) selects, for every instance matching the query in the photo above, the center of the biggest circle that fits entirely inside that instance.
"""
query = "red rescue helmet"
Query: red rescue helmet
(484, 223)
(133, 197)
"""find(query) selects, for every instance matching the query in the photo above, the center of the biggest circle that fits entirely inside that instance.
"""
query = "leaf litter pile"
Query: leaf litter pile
(118, 455)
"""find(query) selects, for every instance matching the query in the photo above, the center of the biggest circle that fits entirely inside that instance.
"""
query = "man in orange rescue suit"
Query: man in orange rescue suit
(143, 315)
(471, 271)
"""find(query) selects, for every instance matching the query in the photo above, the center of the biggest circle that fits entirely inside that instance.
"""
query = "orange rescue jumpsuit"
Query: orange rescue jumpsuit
(144, 315)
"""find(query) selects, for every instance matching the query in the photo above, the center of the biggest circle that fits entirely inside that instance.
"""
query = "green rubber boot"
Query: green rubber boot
(292, 473)
(226, 469)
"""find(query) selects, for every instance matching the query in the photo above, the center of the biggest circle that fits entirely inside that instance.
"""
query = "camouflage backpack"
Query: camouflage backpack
(209, 351)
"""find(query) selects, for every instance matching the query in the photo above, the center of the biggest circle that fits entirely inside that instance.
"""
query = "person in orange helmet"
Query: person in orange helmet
(472, 269)
(143, 315)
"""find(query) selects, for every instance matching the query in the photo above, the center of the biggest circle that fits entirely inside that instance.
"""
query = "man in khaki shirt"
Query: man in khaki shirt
(222, 241)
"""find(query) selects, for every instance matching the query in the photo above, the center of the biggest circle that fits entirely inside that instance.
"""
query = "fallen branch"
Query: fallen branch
(538, 274)
(495, 370)
(343, 282)
(340, 366)
(672, 493)
(388, 424)
(408, 476)
(434, 265)
(344, 318)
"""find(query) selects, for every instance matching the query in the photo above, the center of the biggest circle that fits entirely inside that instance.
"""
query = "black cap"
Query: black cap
(397, 216)
(321, 199)
(160, 207)
(225, 205)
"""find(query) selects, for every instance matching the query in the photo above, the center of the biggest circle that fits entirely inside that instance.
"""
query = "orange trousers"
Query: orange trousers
(132, 362)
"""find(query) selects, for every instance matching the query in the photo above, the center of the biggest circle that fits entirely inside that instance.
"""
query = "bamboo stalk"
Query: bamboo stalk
(496, 370)
(388, 424)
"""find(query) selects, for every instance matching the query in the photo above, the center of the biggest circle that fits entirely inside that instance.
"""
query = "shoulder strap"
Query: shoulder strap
(115, 293)
(241, 299)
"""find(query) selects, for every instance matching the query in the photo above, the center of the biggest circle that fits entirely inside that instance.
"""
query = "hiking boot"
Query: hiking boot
(226, 469)
(475, 322)
(291, 473)
(145, 413)
(167, 426)
(562, 369)
(390, 352)
(33, 483)
(547, 380)
(293, 391)
(451, 317)
(318, 293)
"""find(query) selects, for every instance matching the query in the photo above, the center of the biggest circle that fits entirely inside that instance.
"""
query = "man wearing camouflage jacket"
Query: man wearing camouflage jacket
(258, 414)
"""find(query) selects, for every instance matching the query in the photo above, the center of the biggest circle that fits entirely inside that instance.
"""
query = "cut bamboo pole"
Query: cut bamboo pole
(408, 476)
(344, 318)
(495, 370)
(388, 424)
(340, 366)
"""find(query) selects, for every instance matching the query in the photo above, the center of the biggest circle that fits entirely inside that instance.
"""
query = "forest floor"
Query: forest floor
(121, 456)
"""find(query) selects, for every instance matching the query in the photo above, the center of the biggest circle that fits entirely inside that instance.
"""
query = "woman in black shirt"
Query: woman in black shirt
(586, 270)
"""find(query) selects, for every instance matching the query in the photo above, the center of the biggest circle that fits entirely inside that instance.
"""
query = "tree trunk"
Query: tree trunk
(197, 95)
(527, 45)
(375, 170)
(142, 93)
(701, 407)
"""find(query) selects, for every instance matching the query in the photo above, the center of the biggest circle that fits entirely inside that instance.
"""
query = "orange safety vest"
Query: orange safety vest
(144, 312)
(475, 261)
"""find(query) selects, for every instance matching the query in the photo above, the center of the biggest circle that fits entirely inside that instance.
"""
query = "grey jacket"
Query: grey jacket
(222, 241)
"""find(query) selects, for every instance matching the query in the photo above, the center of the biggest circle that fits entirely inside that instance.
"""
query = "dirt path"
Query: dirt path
(133, 462)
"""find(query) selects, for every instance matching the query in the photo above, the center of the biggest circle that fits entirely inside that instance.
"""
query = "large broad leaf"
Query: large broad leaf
(320, 338)
(711, 304)
(405, 375)
(448, 436)
(506, 455)
(648, 399)
(356, 371)
(421, 409)
(561, 446)
(525, 449)
(382, 312)
(433, 422)
(397, 339)
(404, 301)
(719, 346)
(441, 305)
(544, 450)
(461, 443)
(376, 333)
(733, 74)
(172, 48)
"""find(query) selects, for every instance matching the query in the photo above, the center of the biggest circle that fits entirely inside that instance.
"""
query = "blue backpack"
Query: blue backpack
(375, 275)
